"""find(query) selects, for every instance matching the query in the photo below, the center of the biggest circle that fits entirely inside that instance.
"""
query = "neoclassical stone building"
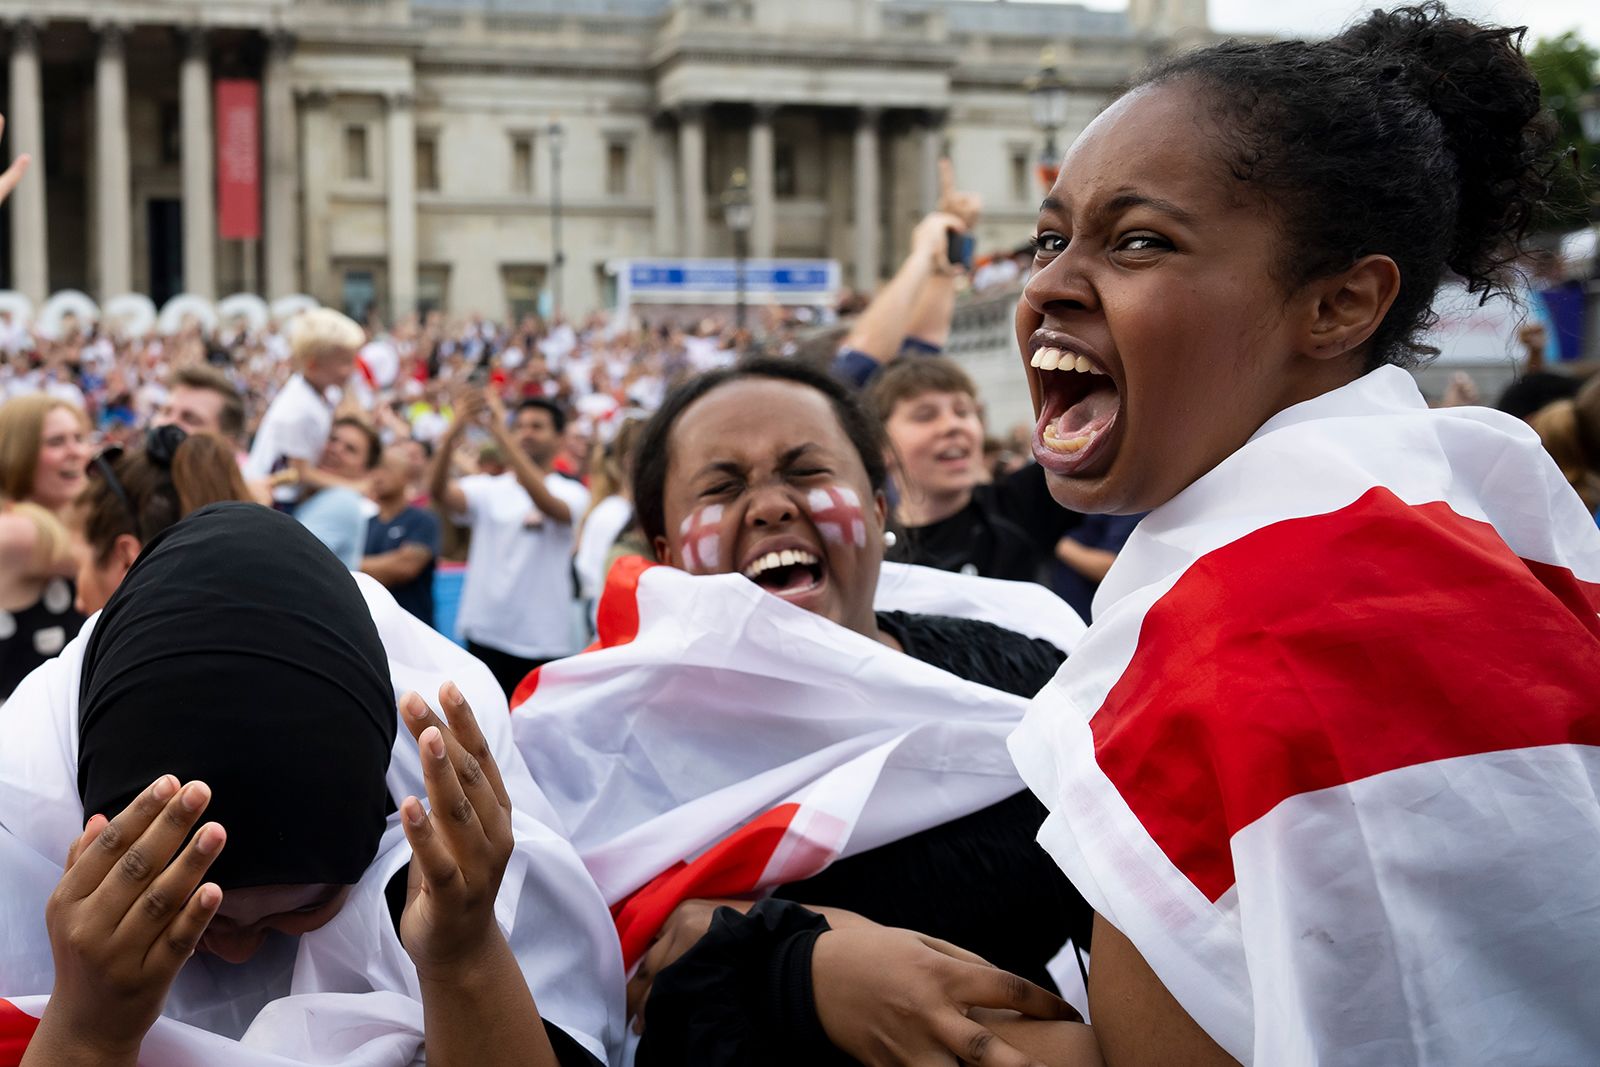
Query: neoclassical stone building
(406, 155)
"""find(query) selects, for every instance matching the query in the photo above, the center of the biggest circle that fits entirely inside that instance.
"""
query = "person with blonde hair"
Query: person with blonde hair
(43, 452)
(323, 346)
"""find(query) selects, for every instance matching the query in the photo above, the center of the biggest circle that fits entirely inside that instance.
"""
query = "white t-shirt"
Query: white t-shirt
(296, 426)
(600, 531)
(518, 592)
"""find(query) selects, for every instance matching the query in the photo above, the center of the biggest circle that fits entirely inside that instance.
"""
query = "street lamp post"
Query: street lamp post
(558, 258)
(738, 213)
(1047, 92)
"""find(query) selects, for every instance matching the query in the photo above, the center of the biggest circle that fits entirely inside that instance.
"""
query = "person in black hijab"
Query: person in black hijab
(178, 679)
(237, 672)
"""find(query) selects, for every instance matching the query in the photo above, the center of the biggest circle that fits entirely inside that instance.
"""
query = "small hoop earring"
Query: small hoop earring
(889, 539)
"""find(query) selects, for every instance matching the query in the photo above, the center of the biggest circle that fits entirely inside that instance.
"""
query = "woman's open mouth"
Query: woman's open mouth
(792, 573)
(1079, 405)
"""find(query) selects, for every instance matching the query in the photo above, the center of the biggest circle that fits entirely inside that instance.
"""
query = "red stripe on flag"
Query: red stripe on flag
(16, 1030)
(617, 618)
(731, 867)
(1319, 651)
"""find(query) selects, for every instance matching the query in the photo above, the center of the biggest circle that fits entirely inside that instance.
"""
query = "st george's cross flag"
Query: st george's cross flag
(344, 994)
(719, 741)
(1328, 755)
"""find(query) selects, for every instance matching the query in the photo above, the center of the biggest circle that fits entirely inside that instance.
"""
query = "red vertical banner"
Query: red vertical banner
(238, 159)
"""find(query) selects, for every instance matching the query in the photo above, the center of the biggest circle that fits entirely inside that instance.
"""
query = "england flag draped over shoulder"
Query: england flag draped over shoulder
(719, 741)
(1328, 754)
(346, 993)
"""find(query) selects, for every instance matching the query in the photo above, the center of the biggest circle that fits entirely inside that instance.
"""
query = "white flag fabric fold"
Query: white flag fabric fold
(1328, 755)
(720, 741)
(343, 994)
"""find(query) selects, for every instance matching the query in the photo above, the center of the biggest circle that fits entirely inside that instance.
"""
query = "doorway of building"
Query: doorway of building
(165, 218)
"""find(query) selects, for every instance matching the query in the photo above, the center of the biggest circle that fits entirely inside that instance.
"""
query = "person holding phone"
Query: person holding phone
(516, 605)
(911, 315)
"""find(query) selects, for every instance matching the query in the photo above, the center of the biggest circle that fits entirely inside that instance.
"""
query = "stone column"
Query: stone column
(30, 261)
(199, 167)
(763, 199)
(317, 163)
(665, 188)
(402, 138)
(113, 193)
(282, 170)
(692, 163)
(867, 223)
(931, 151)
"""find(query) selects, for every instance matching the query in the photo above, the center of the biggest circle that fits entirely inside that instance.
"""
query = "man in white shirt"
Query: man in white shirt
(292, 433)
(517, 604)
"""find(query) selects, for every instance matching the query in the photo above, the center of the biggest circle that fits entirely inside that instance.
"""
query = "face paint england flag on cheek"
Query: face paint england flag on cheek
(836, 510)
(702, 540)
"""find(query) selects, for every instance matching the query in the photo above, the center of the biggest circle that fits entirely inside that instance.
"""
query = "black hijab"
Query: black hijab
(240, 652)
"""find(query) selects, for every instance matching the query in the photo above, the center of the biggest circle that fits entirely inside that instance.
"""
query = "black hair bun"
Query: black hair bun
(1476, 80)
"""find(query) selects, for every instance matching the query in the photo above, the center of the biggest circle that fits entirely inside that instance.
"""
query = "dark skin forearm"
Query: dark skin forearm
(53, 1046)
(484, 1016)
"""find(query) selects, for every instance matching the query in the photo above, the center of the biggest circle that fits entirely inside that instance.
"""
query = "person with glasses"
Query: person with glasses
(43, 451)
(135, 494)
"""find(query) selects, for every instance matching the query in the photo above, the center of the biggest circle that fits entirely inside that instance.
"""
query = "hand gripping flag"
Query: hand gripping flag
(347, 993)
(1328, 754)
(719, 741)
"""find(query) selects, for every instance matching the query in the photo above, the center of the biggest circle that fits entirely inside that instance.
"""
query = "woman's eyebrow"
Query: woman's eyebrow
(719, 466)
(795, 454)
(1128, 200)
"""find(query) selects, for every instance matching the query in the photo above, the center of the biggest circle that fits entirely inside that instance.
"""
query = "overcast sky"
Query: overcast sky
(1544, 18)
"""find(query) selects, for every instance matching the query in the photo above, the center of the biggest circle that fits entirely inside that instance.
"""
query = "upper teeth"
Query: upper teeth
(786, 558)
(1055, 359)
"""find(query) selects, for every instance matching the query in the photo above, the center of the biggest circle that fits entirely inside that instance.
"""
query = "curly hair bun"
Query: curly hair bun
(1476, 80)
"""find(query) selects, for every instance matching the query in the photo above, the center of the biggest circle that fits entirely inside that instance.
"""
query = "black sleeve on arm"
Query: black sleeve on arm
(568, 1052)
(1024, 498)
(741, 995)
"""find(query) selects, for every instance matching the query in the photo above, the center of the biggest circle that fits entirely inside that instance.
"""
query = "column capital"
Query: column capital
(399, 100)
(869, 116)
(24, 33)
(113, 36)
(194, 39)
(933, 118)
(280, 43)
(312, 97)
(692, 112)
(764, 112)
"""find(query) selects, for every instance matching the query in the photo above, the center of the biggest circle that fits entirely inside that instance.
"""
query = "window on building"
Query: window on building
(1021, 187)
(522, 163)
(428, 162)
(433, 287)
(357, 167)
(523, 283)
(617, 154)
(360, 293)
(785, 185)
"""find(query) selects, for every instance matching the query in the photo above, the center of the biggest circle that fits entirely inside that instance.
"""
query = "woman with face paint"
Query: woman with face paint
(251, 877)
(1326, 763)
(770, 471)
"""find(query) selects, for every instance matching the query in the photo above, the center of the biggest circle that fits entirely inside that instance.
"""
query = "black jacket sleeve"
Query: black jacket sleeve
(741, 995)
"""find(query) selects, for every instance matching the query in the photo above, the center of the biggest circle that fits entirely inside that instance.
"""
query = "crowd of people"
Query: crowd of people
(1189, 728)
